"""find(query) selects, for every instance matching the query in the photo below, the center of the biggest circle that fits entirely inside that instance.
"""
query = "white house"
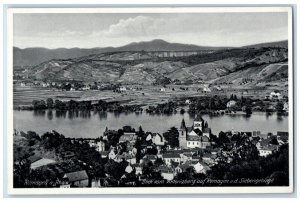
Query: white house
(162, 89)
(275, 95)
(128, 169)
(100, 146)
(201, 168)
(231, 103)
(286, 106)
(168, 158)
(122, 88)
(188, 102)
(158, 139)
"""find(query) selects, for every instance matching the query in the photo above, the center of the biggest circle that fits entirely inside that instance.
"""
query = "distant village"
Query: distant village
(192, 149)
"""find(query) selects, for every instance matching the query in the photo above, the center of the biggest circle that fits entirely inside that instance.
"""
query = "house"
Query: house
(112, 154)
(104, 154)
(151, 158)
(37, 162)
(183, 167)
(129, 169)
(282, 137)
(128, 137)
(87, 87)
(22, 84)
(75, 179)
(188, 102)
(286, 106)
(166, 172)
(231, 103)
(206, 89)
(162, 89)
(185, 157)
(130, 158)
(168, 158)
(208, 158)
(275, 95)
(201, 168)
(138, 169)
(156, 139)
(267, 150)
(122, 88)
(100, 146)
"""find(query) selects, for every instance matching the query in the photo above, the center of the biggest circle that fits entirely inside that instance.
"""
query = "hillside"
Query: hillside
(35, 56)
(244, 66)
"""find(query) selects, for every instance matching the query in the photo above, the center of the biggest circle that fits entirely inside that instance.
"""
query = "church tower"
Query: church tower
(182, 135)
(198, 123)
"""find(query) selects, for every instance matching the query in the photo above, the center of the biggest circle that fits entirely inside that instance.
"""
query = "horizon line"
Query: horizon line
(32, 47)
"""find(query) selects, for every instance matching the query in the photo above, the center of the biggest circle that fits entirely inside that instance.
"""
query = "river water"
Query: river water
(93, 124)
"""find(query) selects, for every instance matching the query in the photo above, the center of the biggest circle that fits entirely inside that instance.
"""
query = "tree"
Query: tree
(279, 106)
(172, 137)
(248, 110)
(39, 104)
(49, 102)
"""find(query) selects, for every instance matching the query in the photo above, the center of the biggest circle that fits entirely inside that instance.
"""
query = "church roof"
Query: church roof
(198, 118)
(206, 130)
(182, 124)
(193, 138)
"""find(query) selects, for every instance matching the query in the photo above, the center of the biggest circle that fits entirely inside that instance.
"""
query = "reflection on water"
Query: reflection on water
(50, 114)
(77, 123)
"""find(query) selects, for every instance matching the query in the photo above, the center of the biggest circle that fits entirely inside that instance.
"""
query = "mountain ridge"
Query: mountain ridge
(36, 55)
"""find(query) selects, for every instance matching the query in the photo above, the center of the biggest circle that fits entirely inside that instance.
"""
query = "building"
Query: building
(37, 162)
(267, 150)
(166, 172)
(128, 137)
(197, 136)
(75, 179)
(156, 139)
(122, 88)
(286, 106)
(201, 168)
(172, 157)
(275, 95)
(100, 146)
(231, 103)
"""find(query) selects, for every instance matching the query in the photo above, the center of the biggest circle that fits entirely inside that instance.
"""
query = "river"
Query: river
(92, 124)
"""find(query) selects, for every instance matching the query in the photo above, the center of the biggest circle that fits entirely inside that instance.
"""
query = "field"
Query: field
(145, 95)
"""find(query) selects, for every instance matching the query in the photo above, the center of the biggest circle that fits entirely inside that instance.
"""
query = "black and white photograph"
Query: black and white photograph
(151, 100)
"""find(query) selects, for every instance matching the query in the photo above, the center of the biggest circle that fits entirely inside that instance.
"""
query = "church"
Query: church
(196, 136)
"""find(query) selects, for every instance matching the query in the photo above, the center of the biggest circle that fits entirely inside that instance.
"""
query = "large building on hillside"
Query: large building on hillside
(196, 136)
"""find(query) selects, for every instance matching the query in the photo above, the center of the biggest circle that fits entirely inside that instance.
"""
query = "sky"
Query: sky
(104, 30)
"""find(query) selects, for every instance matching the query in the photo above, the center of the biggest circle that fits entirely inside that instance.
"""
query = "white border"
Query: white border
(142, 190)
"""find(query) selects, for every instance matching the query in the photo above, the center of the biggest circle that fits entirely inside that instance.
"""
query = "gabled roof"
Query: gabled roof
(187, 154)
(77, 176)
(34, 158)
(150, 157)
(189, 129)
(171, 155)
(192, 138)
(206, 130)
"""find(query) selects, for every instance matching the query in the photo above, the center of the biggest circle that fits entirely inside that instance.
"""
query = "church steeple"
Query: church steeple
(182, 124)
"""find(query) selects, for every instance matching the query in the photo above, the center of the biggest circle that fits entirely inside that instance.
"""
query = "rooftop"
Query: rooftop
(77, 176)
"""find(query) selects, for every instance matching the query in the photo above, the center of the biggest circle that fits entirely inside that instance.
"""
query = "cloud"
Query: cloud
(135, 27)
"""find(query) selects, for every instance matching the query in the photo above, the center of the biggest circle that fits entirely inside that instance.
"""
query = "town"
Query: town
(129, 157)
